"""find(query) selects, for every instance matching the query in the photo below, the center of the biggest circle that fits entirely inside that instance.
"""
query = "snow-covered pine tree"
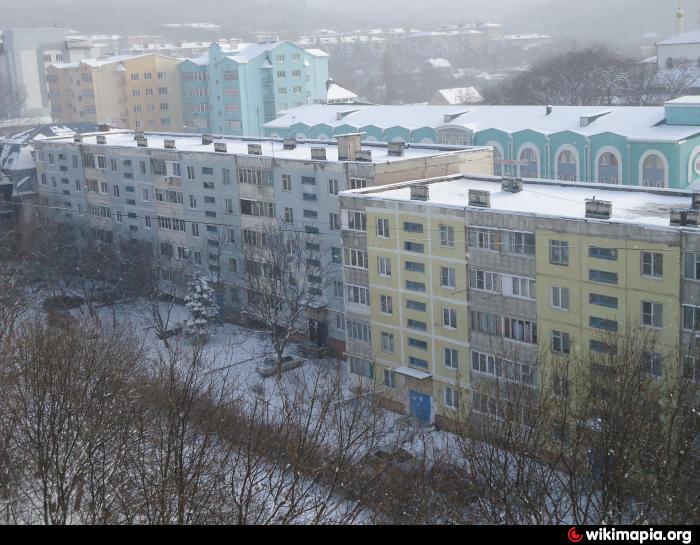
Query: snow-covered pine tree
(201, 304)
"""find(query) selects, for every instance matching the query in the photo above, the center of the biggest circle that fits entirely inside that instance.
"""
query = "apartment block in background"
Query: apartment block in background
(236, 88)
(200, 200)
(140, 92)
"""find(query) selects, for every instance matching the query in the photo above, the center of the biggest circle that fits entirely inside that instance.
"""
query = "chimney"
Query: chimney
(104, 127)
(420, 193)
(318, 154)
(207, 139)
(254, 149)
(220, 147)
(512, 185)
(596, 209)
(169, 143)
(396, 149)
(477, 197)
(548, 110)
(348, 146)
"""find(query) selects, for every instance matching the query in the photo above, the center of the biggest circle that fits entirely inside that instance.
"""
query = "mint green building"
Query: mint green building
(233, 90)
(652, 146)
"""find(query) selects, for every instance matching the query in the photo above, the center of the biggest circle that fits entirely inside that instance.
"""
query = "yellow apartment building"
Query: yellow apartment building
(139, 92)
(472, 281)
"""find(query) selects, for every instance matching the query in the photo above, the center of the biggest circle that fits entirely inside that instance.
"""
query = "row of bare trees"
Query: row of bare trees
(97, 426)
(594, 76)
(602, 440)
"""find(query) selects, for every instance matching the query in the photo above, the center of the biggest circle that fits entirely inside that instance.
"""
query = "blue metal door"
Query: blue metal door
(420, 406)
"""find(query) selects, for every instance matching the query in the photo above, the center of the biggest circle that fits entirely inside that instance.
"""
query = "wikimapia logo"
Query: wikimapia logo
(637, 536)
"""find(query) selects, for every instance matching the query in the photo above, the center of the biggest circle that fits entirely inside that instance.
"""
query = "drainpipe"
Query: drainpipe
(511, 151)
(588, 156)
(629, 165)
(678, 168)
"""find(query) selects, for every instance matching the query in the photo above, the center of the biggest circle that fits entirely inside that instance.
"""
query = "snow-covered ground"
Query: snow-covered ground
(233, 353)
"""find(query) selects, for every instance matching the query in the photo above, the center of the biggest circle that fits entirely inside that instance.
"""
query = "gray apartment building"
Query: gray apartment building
(201, 200)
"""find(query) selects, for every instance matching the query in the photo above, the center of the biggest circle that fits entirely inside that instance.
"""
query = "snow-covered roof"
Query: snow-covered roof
(633, 122)
(461, 95)
(16, 148)
(413, 373)
(239, 146)
(548, 199)
(50, 130)
(439, 63)
(690, 99)
(692, 37)
(338, 93)
(103, 61)
(317, 52)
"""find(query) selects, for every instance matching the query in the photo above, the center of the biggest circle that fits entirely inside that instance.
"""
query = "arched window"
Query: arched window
(454, 137)
(566, 165)
(532, 168)
(653, 171)
(608, 169)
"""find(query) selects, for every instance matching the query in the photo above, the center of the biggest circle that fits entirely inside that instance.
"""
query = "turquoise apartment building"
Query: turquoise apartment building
(235, 89)
(652, 146)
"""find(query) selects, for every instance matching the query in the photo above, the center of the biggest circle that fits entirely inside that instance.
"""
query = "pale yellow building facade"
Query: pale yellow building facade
(139, 92)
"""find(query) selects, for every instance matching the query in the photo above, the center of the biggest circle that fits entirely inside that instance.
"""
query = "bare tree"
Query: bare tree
(601, 441)
(67, 401)
(12, 100)
(590, 77)
(284, 281)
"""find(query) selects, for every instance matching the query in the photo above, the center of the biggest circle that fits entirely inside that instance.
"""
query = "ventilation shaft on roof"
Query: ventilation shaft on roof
(688, 217)
(420, 192)
(348, 146)
(254, 149)
(596, 209)
(207, 139)
(684, 218)
(696, 200)
(396, 149)
(289, 143)
(511, 185)
(318, 154)
(169, 143)
(478, 197)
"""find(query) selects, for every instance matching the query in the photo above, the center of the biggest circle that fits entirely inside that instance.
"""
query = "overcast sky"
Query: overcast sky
(610, 20)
